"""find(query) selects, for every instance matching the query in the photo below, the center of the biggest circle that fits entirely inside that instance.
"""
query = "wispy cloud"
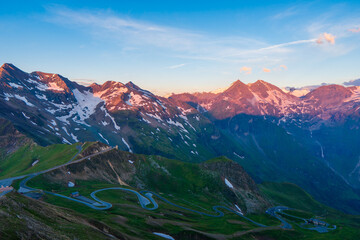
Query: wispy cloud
(291, 11)
(134, 33)
(179, 43)
(326, 37)
(246, 70)
(177, 66)
(355, 30)
(287, 44)
(124, 29)
(266, 70)
(283, 67)
(83, 81)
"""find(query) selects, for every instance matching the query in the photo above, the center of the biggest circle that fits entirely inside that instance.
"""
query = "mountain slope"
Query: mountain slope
(25, 218)
(292, 132)
(163, 175)
(10, 139)
(51, 109)
(273, 154)
(262, 98)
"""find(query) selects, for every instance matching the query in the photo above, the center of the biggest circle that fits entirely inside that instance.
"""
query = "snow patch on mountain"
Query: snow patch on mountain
(145, 120)
(355, 97)
(74, 137)
(7, 96)
(54, 87)
(163, 235)
(64, 140)
(42, 97)
(239, 209)
(65, 130)
(154, 116)
(241, 157)
(24, 100)
(136, 100)
(111, 93)
(127, 145)
(82, 110)
(161, 104)
(187, 121)
(25, 115)
(109, 116)
(87, 102)
(39, 85)
(104, 138)
(228, 183)
(15, 85)
(176, 123)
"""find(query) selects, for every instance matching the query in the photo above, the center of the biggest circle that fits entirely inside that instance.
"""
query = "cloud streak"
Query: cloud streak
(287, 44)
(326, 37)
(246, 70)
(355, 30)
(177, 66)
(179, 43)
(124, 29)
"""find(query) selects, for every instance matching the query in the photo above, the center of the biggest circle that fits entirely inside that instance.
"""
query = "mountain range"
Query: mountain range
(275, 135)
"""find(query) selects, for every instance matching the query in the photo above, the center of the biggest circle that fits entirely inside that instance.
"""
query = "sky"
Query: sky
(184, 46)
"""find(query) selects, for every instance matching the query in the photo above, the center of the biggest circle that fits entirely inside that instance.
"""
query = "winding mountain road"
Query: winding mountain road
(9, 181)
(145, 197)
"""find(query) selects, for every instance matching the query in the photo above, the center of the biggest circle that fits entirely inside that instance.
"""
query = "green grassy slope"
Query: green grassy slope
(128, 217)
(290, 195)
(196, 186)
(19, 163)
(276, 155)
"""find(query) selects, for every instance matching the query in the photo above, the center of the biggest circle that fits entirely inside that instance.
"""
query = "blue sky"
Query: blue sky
(177, 46)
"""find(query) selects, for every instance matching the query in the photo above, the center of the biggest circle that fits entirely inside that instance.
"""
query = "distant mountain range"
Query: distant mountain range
(355, 82)
(275, 135)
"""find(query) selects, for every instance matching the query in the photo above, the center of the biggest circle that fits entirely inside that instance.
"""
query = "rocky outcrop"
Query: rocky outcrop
(10, 138)
(242, 184)
(24, 218)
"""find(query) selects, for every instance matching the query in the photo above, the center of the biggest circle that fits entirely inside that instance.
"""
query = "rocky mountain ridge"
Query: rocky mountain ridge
(264, 99)
(274, 135)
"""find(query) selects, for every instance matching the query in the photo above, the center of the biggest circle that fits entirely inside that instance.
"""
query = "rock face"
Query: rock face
(112, 167)
(259, 98)
(241, 182)
(52, 109)
(49, 107)
(262, 98)
(10, 138)
(118, 97)
(24, 218)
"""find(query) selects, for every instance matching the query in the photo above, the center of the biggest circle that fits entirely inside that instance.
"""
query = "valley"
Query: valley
(179, 205)
(134, 164)
(179, 120)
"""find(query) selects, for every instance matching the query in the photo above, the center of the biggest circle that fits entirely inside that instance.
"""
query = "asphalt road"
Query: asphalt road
(273, 212)
(278, 211)
(319, 228)
(8, 181)
(145, 198)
